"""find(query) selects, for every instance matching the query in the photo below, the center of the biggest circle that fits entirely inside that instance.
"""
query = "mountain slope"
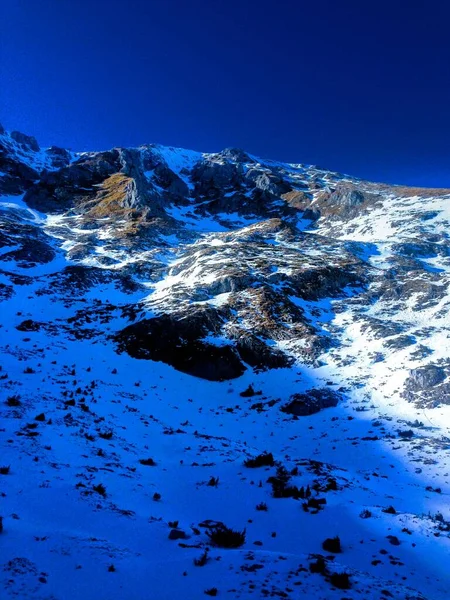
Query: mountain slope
(201, 309)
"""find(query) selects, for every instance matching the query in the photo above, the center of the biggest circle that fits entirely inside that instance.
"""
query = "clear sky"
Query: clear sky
(361, 87)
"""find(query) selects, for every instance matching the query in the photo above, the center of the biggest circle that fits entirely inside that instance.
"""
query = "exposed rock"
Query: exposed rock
(30, 253)
(59, 157)
(6, 291)
(425, 377)
(402, 341)
(29, 325)
(178, 342)
(259, 355)
(177, 534)
(57, 191)
(25, 140)
(267, 182)
(316, 283)
(311, 402)
(16, 176)
(346, 197)
(212, 178)
(236, 154)
(426, 388)
(298, 199)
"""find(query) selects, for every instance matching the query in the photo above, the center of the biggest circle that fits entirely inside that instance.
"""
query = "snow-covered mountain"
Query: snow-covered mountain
(166, 316)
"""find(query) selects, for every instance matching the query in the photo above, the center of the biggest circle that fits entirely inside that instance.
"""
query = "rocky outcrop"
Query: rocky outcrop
(61, 190)
(177, 341)
(15, 175)
(426, 387)
(26, 141)
(347, 197)
(267, 182)
(213, 178)
(59, 157)
(425, 377)
(324, 281)
(311, 402)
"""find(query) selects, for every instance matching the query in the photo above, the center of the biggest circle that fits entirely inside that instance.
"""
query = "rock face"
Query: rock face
(61, 190)
(22, 161)
(346, 197)
(26, 141)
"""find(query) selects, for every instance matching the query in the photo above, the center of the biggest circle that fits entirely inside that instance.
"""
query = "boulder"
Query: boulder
(311, 402)
(177, 534)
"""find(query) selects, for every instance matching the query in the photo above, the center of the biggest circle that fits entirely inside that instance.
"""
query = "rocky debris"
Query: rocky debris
(311, 402)
(6, 291)
(22, 242)
(332, 545)
(380, 328)
(414, 284)
(328, 280)
(417, 248)
(272, 314)
(249, 392)
(256, 353)
(421, 351)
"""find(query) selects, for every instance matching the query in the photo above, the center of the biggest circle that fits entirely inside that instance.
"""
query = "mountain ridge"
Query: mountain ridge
(206, 308)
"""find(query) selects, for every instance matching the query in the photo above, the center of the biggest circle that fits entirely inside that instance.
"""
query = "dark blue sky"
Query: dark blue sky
(361, 87)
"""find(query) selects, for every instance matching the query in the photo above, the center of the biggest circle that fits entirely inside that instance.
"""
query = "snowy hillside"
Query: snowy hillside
(193, 343)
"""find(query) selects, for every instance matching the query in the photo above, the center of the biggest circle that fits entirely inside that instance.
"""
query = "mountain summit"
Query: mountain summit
(191, 341)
